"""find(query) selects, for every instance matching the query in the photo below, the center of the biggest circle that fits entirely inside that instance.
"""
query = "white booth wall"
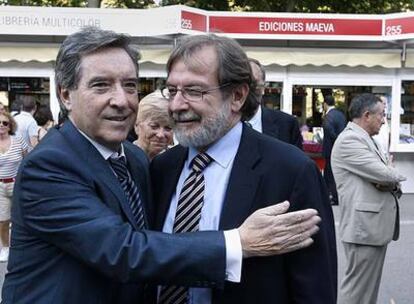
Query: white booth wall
(289, 75)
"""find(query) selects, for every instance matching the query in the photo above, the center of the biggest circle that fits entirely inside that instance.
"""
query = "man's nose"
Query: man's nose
(178, 103)
(119, 96)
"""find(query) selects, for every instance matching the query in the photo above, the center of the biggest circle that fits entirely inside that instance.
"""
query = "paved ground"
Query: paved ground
(397, 286)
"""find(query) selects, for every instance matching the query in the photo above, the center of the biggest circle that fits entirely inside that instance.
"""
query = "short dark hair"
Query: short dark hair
(233, 64)
(88, 40)
(329, 100)
(43, 115)
(28, 103)
(261, 68)
(361, 103)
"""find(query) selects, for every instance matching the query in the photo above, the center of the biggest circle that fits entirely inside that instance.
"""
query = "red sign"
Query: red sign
(193, 21)
(399, 26)
(297, 26)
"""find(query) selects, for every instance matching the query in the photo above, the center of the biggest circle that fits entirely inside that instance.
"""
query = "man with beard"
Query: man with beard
(222, 171)
(81, 209)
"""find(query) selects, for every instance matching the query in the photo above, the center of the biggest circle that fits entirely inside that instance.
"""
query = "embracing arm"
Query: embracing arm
(66, 207)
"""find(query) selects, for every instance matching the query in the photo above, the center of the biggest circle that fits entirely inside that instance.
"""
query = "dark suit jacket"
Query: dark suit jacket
(282, 126)
(266, 171)
(333, 124)
(74, 239)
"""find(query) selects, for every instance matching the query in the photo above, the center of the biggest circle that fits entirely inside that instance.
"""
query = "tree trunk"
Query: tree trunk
(94, 3)
(290, 5)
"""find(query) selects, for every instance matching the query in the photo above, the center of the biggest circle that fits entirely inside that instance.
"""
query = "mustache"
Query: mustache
(185, 116)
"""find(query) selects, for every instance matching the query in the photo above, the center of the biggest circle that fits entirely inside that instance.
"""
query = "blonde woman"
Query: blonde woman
(153, 125)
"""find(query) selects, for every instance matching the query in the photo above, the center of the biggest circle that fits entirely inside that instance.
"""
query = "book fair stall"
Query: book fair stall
(306, 56)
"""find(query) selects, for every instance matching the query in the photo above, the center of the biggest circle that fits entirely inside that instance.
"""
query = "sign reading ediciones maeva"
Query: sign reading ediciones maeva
(296, 26)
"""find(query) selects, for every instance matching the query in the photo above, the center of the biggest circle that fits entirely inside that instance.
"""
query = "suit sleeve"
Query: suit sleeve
(62, 205)
(354, 154)
(312, 271)
(297, 139)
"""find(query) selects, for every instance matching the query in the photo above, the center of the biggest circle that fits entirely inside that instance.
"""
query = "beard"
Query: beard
(210, 130)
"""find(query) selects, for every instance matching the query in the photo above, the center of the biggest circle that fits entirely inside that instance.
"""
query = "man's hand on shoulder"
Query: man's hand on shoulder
(272, 231)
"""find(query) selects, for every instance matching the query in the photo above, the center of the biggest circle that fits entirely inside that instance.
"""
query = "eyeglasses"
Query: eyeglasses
(4, 123)
(188, 93)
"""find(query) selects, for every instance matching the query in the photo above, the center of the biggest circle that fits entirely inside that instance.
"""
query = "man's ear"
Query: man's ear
(239, 97)
(65, 98)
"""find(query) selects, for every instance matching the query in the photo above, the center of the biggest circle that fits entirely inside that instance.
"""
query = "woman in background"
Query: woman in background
(12, 150)
(44, 119)
(153, 125)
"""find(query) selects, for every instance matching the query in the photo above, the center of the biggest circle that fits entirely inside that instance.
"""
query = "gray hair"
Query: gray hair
(233, 64)
(155, 107)
(361, 103)
(88, 40)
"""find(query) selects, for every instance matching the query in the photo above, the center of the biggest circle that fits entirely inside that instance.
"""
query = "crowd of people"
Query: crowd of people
(205, 206)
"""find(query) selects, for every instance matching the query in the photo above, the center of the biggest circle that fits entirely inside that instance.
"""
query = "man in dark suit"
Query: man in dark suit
(82, 204)
(209, 97)
(274, 123)
(333, 124)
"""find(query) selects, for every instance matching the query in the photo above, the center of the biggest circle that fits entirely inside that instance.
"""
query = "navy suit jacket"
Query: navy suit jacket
(333, 124)
(266, 171)
(74, 239)
(282, 126)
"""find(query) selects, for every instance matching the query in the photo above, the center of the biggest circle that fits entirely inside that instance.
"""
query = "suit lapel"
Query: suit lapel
(243, 183)
(175, 165)
(269, 126)
(378, 151)
(98, 166)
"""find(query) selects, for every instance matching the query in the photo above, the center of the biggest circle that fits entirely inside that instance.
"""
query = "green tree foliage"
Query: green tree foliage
(82, 3)
(70, 3)
(215, 5)
(128, 3)
(308, 6)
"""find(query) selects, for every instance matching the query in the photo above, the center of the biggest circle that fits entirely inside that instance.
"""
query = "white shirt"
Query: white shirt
(256, 120)
(383, 138)
(26, 127)
(216, 177)
(234, 253)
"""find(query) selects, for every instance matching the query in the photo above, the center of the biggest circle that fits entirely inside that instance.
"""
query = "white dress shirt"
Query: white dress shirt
(256, 120)
(216, 177)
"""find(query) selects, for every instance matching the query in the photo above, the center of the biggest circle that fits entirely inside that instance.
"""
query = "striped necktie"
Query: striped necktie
(130, 189)
(187, 219)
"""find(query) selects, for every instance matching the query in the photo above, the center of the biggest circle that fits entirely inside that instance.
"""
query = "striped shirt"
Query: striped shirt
(10, 160)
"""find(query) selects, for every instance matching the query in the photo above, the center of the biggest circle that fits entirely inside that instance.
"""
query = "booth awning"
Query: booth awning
(28, 53)
(330, 57)
(409, 59)
(276, 56)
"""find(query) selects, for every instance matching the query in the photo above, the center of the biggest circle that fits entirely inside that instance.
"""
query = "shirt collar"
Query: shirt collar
(104, 151)
(329, 109)
(257, 118)
(225, 149)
